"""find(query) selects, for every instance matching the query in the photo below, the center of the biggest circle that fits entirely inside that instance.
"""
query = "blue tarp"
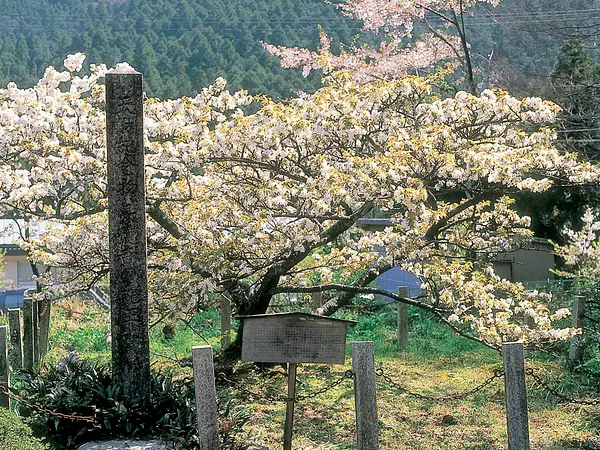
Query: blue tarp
(393, 278)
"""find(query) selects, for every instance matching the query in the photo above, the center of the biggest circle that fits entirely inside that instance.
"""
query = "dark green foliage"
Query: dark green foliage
(80, 388)
(575, 86)
(515, 44)
(181, 46)
(15, 434)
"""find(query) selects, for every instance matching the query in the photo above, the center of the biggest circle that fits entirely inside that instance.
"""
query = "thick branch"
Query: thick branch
(438, 226)
(271, 278)
(355, 290)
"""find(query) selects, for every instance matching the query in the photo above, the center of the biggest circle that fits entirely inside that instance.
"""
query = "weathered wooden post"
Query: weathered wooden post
(529, 322)
(36, 333)
(288, 427)
(28, 330)
(4, 371)
(402, 318)
(127, 234)
(363, 366)
(14, 323)
(576, 348)
(225, 322)
(206, 398)
(44, 326)
(316, 300)
(517, 417)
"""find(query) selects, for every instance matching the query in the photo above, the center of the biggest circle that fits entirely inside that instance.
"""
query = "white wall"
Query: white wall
(10, 271)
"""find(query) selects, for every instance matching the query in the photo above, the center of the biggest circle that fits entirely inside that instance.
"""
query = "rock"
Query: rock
(127, 445)
(257, 447)
(449, 419)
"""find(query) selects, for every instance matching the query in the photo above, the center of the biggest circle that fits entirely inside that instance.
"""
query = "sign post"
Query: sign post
(289, 411)
(293, 338)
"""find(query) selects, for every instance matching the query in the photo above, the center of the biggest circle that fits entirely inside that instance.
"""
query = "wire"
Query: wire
(514, 18)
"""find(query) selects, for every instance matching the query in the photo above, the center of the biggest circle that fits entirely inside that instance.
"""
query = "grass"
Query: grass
(85, 329)
(437, 362)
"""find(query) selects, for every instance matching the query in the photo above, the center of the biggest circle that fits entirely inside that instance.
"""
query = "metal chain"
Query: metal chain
(348, 374)
(498, 373)
(249, 393)
(40, 409)
(557, 394)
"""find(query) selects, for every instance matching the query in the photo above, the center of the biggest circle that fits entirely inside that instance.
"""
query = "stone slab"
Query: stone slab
(127, 445)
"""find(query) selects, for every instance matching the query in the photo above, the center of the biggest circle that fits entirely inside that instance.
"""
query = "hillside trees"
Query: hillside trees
(265, 203)
(194, 41)
(512, 43)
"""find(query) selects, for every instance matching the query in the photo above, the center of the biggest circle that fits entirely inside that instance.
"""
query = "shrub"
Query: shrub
(15, 434)
(80, 388)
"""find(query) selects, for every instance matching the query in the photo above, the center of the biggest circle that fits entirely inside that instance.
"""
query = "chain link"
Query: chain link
(529, 371)
(249, 393)
(498, 373)
(91, 419)
(348, 374)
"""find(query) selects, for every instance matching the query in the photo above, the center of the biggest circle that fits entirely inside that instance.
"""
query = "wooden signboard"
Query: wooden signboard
(294, 338)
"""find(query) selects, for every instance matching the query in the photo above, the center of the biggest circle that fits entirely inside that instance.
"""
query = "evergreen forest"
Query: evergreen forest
(181, 46)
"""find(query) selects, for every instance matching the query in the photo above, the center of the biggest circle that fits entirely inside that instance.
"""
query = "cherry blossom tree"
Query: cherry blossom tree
(265, 203)
(581, 263)
(398, 53)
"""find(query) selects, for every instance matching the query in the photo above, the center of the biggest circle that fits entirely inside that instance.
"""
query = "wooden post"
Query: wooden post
(225, 322)
(206, 398)
(517, 417)
(36, 333)
(16, 342)
(4, 371)
(402, 318)
(363, 365)
(576, 348)
(127, 235)
(28, 340)
(44, 326)
(317, 301)
(289, 410)
(529, 323)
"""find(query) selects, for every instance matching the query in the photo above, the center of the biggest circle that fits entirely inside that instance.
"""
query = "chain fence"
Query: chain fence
(498, 373)
(539, 381)
(40, 409)
(347, 375)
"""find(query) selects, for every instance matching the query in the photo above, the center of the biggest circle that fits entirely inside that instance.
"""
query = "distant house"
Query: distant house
(17, 271)
(528, 265)
(394, 278)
